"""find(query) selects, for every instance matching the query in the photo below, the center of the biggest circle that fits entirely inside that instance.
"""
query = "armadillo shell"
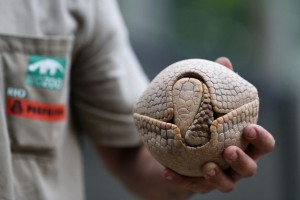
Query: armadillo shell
(192, 111)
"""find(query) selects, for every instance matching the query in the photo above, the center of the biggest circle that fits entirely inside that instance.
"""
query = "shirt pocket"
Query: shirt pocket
(36, 86)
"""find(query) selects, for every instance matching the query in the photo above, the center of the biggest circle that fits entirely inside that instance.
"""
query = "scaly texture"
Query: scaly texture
(192, 111)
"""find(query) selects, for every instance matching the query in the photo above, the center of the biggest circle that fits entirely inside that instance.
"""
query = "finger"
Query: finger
(242, 166)
(216, 177)
(260, 141)
(195, 184)
(225, 61)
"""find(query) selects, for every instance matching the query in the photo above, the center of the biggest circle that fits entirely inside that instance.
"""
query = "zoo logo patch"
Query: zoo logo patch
(45, 72)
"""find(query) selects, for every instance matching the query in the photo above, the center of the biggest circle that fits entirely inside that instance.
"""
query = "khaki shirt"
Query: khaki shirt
(66, 68)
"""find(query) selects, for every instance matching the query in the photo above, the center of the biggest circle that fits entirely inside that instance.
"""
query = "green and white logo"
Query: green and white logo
(46, 72)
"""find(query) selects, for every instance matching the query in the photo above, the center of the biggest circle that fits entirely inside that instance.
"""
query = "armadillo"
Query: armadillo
(192, 111)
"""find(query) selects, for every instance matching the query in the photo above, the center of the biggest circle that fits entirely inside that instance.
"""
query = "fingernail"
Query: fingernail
(234, 156)
(211, 172)
(168, 176)
(251, 134)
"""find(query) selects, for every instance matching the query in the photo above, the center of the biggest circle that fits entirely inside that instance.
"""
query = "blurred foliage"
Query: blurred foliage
(232, 7)
(209, 29)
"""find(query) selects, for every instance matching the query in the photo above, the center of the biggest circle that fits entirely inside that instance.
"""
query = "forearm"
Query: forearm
(141, 174)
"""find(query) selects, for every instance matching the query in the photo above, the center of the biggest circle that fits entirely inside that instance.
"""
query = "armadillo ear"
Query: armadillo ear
(225, 62)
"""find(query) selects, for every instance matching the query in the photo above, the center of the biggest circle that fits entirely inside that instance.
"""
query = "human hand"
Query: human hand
(243, 164)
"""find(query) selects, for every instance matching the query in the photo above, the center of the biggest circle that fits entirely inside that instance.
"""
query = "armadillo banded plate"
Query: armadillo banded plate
(192, 111)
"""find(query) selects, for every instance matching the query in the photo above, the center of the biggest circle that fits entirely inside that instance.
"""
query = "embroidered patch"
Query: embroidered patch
(45, 72)
(35, 110)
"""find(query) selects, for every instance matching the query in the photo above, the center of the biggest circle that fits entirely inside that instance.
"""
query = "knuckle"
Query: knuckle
(272, 144)
(201, 189)
(266, 138)
(228, 188)
(252, 170)
(188, 185)
(269, 146)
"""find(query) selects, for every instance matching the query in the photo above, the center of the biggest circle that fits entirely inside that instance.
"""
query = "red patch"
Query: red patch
(35, 110)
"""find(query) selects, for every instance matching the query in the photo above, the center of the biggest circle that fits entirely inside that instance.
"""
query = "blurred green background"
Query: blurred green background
(262, 39)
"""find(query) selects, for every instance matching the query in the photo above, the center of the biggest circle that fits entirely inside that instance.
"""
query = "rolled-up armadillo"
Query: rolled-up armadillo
(192, 111)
